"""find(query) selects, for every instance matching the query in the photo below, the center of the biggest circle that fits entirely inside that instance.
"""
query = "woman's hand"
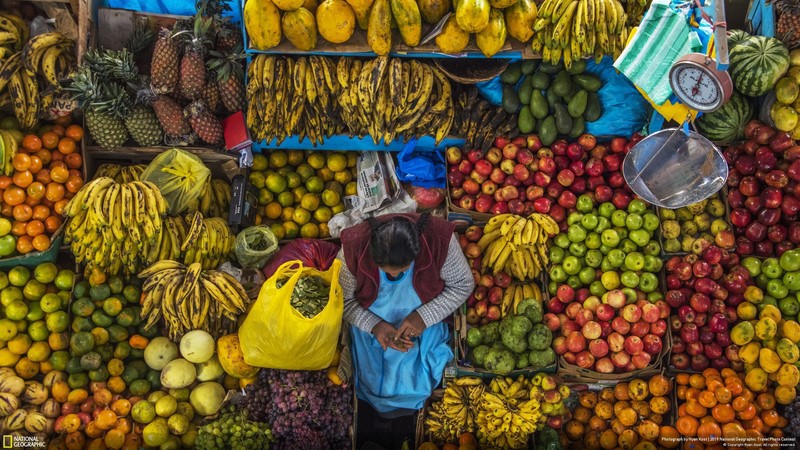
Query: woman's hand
(388, 336)
(411, 327)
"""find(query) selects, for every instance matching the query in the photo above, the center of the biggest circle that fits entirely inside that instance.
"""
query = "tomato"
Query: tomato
(66, 146)
(25, 244)
(51, 224)
(50, 140)
(21, 161)
(43, 176)
(74, 160)
(59, 206)
(40, 212)
(36, 164)
(41, 242)
(23, 178)
(75, 132)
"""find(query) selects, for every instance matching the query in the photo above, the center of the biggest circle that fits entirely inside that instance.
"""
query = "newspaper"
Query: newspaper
(377, 182)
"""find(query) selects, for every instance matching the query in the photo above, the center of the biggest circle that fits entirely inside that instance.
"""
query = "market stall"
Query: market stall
(399, 224)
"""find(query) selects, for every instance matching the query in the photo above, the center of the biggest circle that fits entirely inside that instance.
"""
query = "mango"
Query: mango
(791, 330)
(750, 366)
(756, 379)
(769, 360)
(753, 294)
(772, 312)
(749, 353)
(785, 395)
(747, 311)
(742, 333)
(771, 344)
(788, 375)
(765, 329)
(787, 350)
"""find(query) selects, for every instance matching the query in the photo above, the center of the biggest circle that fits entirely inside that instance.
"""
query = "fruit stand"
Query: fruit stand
(174, 190)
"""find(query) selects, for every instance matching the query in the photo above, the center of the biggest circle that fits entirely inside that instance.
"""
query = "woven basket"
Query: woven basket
(471, 70)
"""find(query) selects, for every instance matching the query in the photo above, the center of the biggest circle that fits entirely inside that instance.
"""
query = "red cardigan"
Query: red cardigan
(427, 282)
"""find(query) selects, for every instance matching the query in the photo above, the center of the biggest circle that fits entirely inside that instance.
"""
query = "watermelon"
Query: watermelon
(735, 37)
(757, 63)
(727, 123)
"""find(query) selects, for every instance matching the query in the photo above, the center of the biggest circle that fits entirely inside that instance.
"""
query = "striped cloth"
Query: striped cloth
(458, 285)
(662, 38)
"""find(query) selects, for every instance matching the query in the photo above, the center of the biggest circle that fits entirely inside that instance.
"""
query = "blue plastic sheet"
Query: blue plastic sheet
(174, 7)
(421, 168)
(625, 111)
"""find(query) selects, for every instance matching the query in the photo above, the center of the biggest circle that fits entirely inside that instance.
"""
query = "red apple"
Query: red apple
(640, 329)
(604, 365)
(620, 359)
(641, 360)
(584, 360)
(598, 348)
(616, 342)
(576, 342)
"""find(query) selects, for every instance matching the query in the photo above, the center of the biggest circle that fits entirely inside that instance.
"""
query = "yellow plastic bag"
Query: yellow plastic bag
(274, 335)
(181, 177)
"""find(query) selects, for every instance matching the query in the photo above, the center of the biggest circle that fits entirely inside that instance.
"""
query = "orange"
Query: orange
(748, 413)
(687, 426)
(74, 160)
(30, 201)
(733, 430)
(25, 244)
(54, 192)
(740, 403)
(770, 418)
(56, 157)
(734, 385)
(727, 373)
(693, 393)
(43, 176)
(765, 401)
(669, 437)
(74, 132)
(66, 145)
(59, 206)
(32, 143)
(64, 121)
(40, 212)
(34, 228)
(51, 224)
(723, 413)
(23, 178)
(682, 379)
(18, 228)
(23, 213)
(59, 130)
(59, 174)
(710, 432)
(695, 409)
(5, 182)
(723, 395)
(658, 385)
(711, 373)
(49, 140)
(35, 190)
(74, 184)
(755, 424)
(40, 242)
(680, 391)
(36, 164)
(697, 381)
(707, 399)
(21, 162)
(713, 383)
(14, 196)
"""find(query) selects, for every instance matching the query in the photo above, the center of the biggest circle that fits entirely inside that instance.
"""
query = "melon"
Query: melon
(757, 63)
(197, 346)
(727, 123)
(206, 398)
(209, 370)
(735, 37)
(159, 352)
(178, 373)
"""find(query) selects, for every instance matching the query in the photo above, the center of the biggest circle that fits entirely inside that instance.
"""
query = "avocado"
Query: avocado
(526, 122)
(562, 83)
(548, 132)
(577, 104)
(546, 67)
(577, 67)
(512, 73)
(540, 80)
(525, 91)
(563, 119)
(510, 99)
(593, 109)
(539, 106)
(578, 127)
(589, 82)
(529, 66)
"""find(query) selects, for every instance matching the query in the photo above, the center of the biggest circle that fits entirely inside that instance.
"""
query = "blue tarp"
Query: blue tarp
(174, 7)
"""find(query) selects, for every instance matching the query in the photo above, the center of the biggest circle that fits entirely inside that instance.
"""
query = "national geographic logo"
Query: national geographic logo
(11, 441)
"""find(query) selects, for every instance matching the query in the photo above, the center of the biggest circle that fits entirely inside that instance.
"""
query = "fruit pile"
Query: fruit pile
(195, 73)
(41, 172)
(232, 430)
(719, 405)
(541, 180)
(348, 96)
(609, 334)
(519, 341)
(704, 293)
(28, 408)
(468, 405)
(681, 227)
(629, 415)
(300, 192)
(787, 93)
(550, 99)
(606, 248)
(764, 191)
(304, 409)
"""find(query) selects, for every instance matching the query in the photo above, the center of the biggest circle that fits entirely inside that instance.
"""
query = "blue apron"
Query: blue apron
(390, 380)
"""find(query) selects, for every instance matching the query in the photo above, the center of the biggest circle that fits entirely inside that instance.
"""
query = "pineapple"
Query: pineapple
(105, 106)
(164, 65)
(228, 38)
(141, 38)
(143, 126)
(116, 66)
(210, 95)
(192, 77)
(788, 26)
(170, 116)
(230, 77)
(204, 124)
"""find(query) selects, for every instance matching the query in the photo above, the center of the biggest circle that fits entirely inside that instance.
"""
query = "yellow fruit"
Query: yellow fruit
(765, 329)
(786, 90)
(336, 162)
(795, 134)
(309, 202)
(231, 357)
(343, 177)
(287, 213)
(8, 329)
(794, 59)
(155, 433)
(166, 406)
(787, 350)
(749, 353)
(432, 11)
(315, 184)
(335, 21)
(351, 188)
(791, 330)
(520, 18)
(452, 39)
(39, 352)
(472, 15)
(309, 231)
(8, 359)
(409, 21)
(257, 179)
(379, 29)
(301, 216)
(785, 118)
(769, 360)
(742, 333)
(278, 231)
(259, 162)
(285, 199)
(788, 375)
(288, 5)
(337, 209)
(330, 198)
(316, 160)
(326, 174)
(322, 214)
(785, 395)
(772, 312)
(746, 311)
(273, 210)
(262, 20)
(300, 29)
(20, 344)
(756, 379)
(493, 37)
(276, 183)
(293, 180)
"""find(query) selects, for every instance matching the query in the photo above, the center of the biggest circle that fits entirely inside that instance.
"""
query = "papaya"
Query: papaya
(336, 21)
(432, 11)
(452, 39)
(310, 5)
(288, 5)
(409, 21)
(501, 4)
(300, 29)
(520, 17)
(492, 38)
(361, 10)
(262, 20)
(472, 15)
(379, 31)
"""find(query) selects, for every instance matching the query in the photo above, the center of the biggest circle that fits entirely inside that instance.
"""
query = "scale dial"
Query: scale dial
(696, 81)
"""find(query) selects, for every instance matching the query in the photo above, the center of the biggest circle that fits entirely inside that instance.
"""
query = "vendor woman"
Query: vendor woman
(403, 275)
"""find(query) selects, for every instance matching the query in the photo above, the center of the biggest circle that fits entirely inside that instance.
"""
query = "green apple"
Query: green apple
(654, 296)
(648, 282)
(634, 261)
(789, 306)
(622, 232)
(5, 226)
(552, 287)
(606, 209)
(574, 218)
(602, 224)
(593, 240)
(616, 257)
(610, 280)
(576, 233)
(776, 288)
(610, 238)
(571, 265)
(589, 221)
(652, 263)
(790, 260)
(584, 203)
(652, 248)
(574, 282)
(587, 275)
(561, 240)
(597, 289)
(558, 274)
(637, 206)
(629, 279)
(639, 237)
(792, 280)
(771, 267)
(650, 222)
(604, 249)
(618, 218)
(578, 249)
(593, 258)
(628, 246)
(634, 221)
(630, 294)
(606, 265)
(556, 254)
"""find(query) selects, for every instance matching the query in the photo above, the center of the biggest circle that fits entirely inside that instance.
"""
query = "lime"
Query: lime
(310, 202)
(34, 290)
(34, 312)
(265, 196)
(290, 230)
(259, 162)
(309, 231)
(276, 183)
(10, 294)
(316, 160)
(65, 279)
(38, 331)
(315, 184)
(19, 276)
(285, 199)
(785, 118)
(57, 321)
(16, 310)
(786, 90)
(257, 179)
(3, 280)
(143, 412)
(305, 171)
(293, 179)
(322, 214)
(45, 272)
(278, 159)
(301, 216)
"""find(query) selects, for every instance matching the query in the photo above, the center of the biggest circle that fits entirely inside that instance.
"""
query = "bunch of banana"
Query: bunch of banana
(45, 57)
(317, 97)
(635, 10)
(115, 227)
(574, 29)
(455, 413)
(516, 293)
(10, 148)
(190, 298)
(121, 174)
(517, 245)
(207, 241)
(480, 122)
(215, 201)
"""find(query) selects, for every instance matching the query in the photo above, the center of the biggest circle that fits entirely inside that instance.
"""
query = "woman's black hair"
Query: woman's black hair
(395, 243)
